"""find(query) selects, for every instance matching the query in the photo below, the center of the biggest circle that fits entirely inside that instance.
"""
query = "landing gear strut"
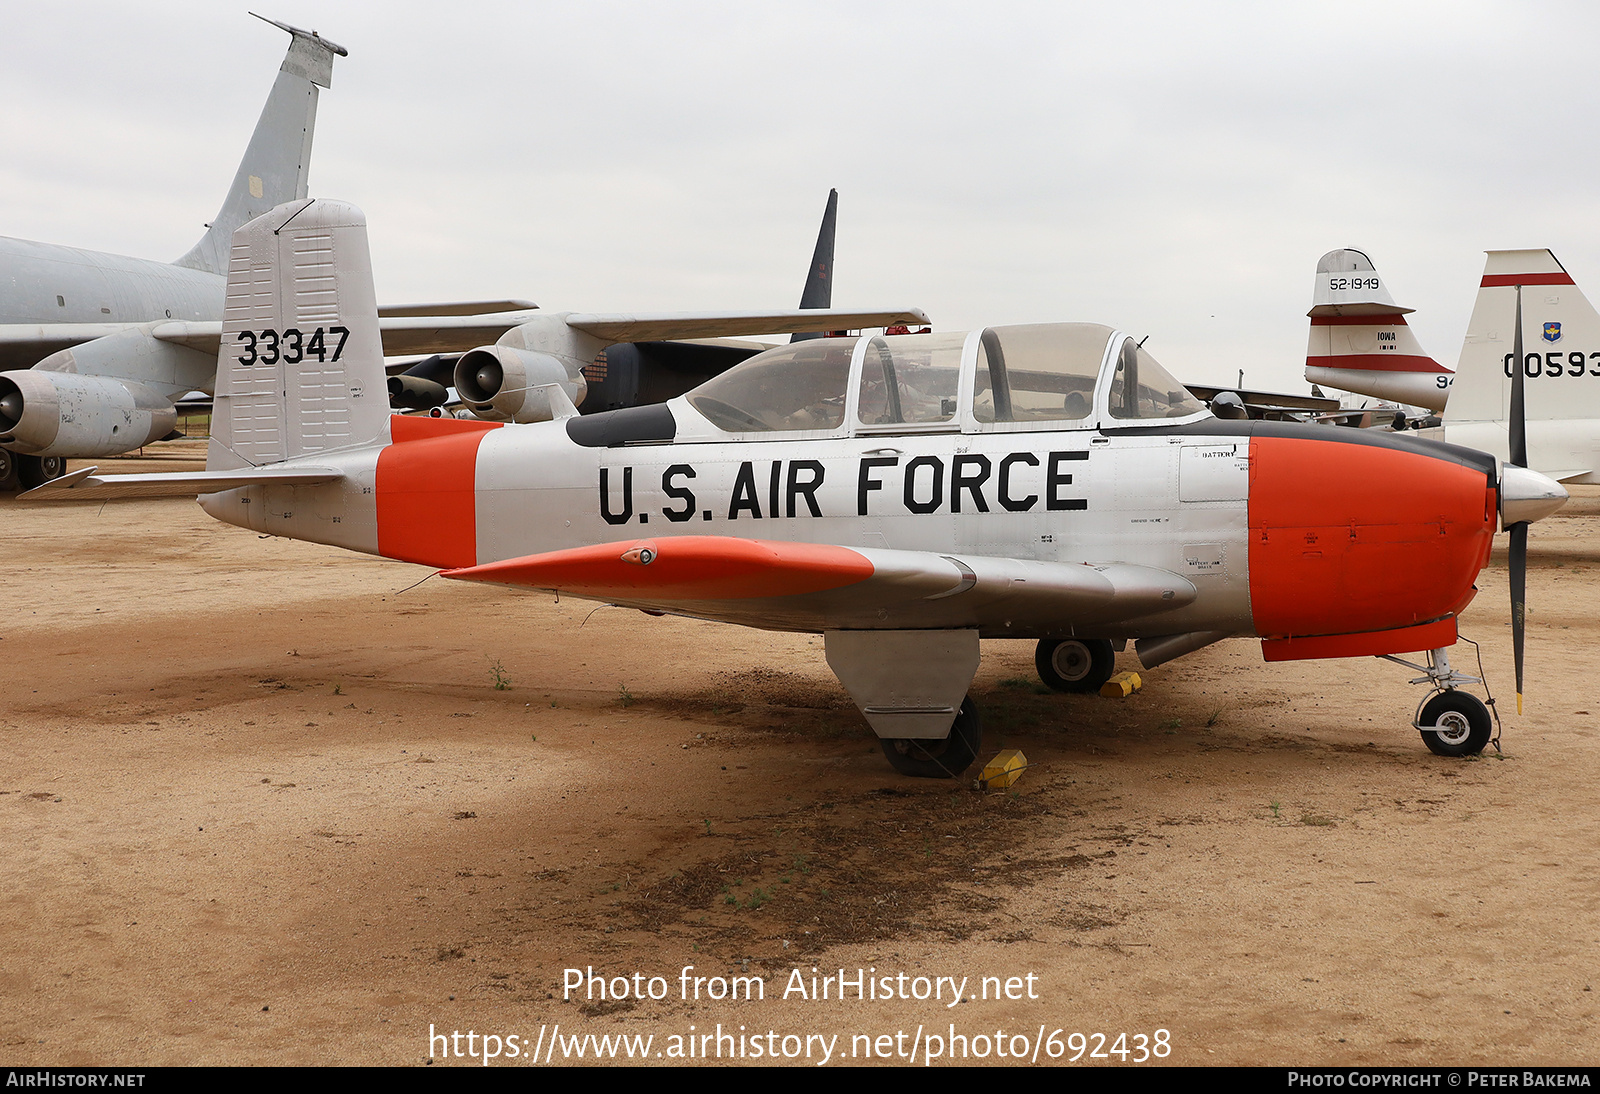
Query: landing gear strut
(1075, 664)
(931, 759)
(1452, 722)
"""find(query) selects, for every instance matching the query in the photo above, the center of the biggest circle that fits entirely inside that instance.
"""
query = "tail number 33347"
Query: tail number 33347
(267, 347)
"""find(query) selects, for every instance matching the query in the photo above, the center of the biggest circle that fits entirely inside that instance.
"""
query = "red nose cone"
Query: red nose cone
(1350, 536)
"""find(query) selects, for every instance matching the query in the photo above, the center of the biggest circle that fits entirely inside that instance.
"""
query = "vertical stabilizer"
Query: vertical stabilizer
(1560, 366)
(818, 291)
(300, 370)
(1360, 340)
(278, 160)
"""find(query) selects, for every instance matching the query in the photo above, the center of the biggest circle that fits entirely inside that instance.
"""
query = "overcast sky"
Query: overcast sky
(1174, 169)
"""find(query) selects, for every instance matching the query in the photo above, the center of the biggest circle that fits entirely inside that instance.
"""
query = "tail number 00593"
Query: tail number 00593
(265, 347)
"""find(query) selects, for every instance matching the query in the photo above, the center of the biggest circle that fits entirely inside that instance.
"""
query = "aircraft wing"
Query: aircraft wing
(1267, 402)
(403, 335)
(85, 485)
(810, 586)
(408, 334)
(22, 344)
(660, 326)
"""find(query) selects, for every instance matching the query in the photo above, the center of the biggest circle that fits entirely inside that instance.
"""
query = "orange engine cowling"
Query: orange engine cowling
(1364, 536)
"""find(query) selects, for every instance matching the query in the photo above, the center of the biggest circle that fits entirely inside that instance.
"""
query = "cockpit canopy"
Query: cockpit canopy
(999, 377)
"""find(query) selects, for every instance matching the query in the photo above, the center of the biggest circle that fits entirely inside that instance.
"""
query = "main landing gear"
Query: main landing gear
(1452, 722)
(946, 759)
(18, 472)
(1078, 665)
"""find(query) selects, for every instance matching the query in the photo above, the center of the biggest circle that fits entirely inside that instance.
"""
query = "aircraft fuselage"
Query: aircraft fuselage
(52, 285)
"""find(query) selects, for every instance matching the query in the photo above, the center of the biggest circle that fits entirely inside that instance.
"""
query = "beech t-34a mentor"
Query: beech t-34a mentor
(904, 496)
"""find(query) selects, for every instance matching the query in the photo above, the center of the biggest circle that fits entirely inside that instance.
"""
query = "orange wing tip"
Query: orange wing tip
(683, 568)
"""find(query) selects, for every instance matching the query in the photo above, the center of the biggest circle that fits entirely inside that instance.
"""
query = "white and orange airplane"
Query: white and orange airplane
(905, 496)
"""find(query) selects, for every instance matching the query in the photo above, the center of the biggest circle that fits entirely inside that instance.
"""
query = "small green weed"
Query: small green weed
(502, 682)
(625, 696)
(1275, 806)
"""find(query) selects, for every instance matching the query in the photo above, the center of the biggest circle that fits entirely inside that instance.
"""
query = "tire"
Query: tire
(1462, 722)
(1077, 665)
(946, 759)
(9, 478)
(38, 470)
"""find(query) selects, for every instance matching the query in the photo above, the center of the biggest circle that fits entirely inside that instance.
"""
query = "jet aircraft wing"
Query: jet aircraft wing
(23, 344)
(659, 326)
(407, 334)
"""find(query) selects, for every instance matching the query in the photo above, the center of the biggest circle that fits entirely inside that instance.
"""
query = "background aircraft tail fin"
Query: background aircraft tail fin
(277, 162)
(1560, 337)
(300, 369)
(1360, 340)
(818, 291)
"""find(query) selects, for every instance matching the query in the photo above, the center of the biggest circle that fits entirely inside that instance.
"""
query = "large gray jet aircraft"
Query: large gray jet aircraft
(97, 347)
(90, 373)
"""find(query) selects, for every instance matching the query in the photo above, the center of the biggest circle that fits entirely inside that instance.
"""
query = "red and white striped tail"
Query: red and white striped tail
(1360, 340)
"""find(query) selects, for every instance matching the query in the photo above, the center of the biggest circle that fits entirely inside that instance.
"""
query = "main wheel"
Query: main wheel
(1075, 664)
(38, 470)
(9, 479)
(1461, 724)
(946, 759)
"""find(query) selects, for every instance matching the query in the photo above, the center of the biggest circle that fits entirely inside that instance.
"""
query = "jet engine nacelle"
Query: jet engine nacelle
(46, 413)
(500, 383)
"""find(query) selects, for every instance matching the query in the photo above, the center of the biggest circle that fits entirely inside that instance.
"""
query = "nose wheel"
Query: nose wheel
(1078, 665)
(1455, 723)
(1452, 722)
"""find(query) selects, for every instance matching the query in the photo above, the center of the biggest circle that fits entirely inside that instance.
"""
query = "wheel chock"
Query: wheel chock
(1122, 685)
(1003, 770)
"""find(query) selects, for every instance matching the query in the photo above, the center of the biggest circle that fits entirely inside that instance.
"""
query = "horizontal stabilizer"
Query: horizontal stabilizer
(85, 485)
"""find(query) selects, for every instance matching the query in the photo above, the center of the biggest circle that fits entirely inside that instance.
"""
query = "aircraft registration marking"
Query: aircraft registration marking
(1535, 365)
(298, 346)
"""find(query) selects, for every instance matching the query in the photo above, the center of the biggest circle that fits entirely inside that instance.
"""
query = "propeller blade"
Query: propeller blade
(1519, 598)
(1519, 420)
(1519, 532)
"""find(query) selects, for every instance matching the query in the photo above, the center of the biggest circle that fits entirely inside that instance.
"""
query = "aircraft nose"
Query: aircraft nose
(1527, 496)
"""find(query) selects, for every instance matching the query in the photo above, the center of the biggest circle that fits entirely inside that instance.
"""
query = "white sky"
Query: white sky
(1174, 169)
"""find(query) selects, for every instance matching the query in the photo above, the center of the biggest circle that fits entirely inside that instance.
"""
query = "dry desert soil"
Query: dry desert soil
(262, 803)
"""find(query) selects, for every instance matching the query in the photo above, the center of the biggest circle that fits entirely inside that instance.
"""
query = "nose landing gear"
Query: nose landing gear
(1452, 722)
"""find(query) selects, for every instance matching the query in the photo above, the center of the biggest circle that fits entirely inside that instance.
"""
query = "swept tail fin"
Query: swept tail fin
(1360, 340)
(277, 161)
(818, 291)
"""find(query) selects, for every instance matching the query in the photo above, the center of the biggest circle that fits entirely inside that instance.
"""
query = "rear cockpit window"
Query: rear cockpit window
(800, 386)
(1042, 372)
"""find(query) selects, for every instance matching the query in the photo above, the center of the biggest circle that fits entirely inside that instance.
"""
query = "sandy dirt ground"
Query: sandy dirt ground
(261, 803)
